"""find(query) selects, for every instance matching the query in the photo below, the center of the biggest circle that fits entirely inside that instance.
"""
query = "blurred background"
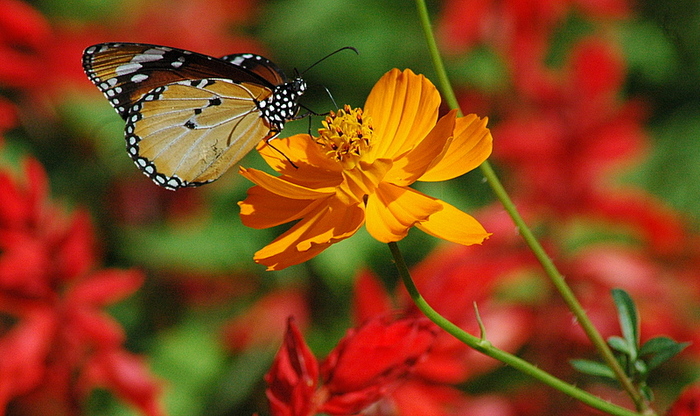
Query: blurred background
(594, 107)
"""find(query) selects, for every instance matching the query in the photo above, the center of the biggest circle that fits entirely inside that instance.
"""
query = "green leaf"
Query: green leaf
(627, 314)
(593, 368)
(661, 349)
(677, 145)
(656, 345)
(621, 345)
(642, 369)
(646, 392)
(648, 50)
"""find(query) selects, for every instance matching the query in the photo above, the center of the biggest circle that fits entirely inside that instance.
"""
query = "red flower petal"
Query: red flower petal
(105, 287)
(293, 377)
(688, 404)
(370, 360)
(370, 297)
(128, 376)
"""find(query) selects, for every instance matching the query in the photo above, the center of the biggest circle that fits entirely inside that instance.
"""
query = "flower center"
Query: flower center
(346, 135)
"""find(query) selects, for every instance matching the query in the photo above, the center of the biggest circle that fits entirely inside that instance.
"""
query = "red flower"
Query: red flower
(465, 23)
(22, 31)
(654, 223)
(366, 365)
(8, 117)
(562, 139)
(372, 360)
(293, 378)
(62, 344)
(264, 322)
(687, 404)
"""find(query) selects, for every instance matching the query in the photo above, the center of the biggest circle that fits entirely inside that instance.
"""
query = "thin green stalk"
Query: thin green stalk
(485, 347)
(546, 262)
(564, 290)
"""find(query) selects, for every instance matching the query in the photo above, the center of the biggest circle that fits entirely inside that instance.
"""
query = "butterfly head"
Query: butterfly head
(283, 104)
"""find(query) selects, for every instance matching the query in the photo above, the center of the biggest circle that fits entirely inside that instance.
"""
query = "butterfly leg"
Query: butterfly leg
(269, 143)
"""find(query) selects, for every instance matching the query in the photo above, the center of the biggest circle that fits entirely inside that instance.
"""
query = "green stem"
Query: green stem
(443, 80)
(546, 262)
(485, 347)
(564, 290)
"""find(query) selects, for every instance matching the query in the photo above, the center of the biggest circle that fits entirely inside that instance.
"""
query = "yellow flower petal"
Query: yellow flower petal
(284, 188)
(264, 209)
(363, 181)
(300, 149)
(471, 145)
(329, 223)
(413, 165)
(393, 210)
(403, 107)
(454, 225)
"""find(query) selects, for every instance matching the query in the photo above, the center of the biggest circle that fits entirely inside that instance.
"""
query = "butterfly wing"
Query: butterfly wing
(125, 72)
(188, 133)
(190, 117)
(259, 65)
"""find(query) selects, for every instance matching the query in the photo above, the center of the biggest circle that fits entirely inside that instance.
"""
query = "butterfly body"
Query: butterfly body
(190, 117)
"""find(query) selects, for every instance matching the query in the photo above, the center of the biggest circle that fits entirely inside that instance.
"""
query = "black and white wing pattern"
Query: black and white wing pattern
(190, 117)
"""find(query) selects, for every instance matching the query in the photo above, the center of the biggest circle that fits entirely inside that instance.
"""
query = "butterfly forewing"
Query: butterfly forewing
(125, 72)
(258, 65)
(189, 132)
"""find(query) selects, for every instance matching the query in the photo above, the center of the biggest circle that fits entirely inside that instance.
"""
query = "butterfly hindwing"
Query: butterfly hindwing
(188, 133)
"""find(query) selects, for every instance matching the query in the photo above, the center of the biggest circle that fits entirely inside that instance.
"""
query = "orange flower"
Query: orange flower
(359, 169)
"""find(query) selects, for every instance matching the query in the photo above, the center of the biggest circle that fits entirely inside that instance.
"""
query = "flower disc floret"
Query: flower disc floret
(345, 136)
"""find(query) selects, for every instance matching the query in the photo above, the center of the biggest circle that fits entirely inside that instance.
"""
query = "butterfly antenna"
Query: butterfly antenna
(328, 56)
(331, 97)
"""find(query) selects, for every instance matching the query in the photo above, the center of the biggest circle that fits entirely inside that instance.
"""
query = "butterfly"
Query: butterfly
(190, 117)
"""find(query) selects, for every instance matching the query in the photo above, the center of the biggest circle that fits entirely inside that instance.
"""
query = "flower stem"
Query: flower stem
(564, 290)
(550, 269)
(485, 347)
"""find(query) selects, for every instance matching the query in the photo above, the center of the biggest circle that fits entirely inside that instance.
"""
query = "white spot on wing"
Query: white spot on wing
(129, 68)
(149, 55)
(139, 77)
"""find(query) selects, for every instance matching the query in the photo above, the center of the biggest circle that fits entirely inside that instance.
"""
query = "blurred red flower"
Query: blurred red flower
(561, 140)
(23, 30)
(264, 322)
(465, 23)
(687, 404)
(58, 343)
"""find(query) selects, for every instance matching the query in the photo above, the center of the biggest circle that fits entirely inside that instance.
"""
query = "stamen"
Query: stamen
(346, 135)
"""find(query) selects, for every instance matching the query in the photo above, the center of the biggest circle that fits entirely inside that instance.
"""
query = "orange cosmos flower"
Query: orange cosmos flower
(359, 169)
